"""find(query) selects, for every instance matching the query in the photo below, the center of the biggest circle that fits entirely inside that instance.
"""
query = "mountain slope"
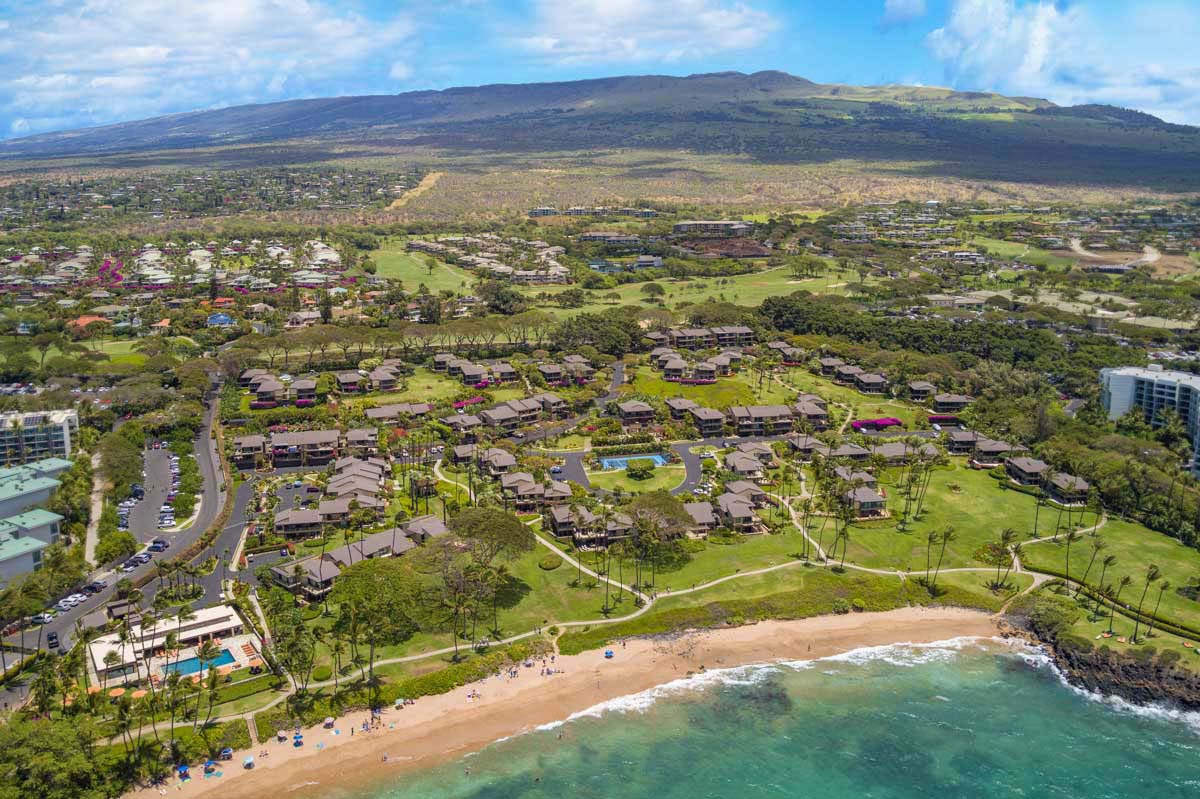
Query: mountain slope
(771, 117)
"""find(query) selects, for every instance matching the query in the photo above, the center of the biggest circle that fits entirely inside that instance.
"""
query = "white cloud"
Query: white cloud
(1142, 57)
(604, 31)
(898, 12)
(400, 71)
(99, 61)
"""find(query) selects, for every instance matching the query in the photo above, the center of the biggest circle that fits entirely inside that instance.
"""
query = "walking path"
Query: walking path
(97, 507)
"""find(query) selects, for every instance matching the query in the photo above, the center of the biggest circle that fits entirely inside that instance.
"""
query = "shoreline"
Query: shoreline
(440, 728)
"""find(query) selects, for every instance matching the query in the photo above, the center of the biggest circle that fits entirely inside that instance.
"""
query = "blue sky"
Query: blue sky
(76, 63)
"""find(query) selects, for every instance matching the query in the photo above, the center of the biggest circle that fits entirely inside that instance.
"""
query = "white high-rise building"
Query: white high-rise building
(1152, 389)
(27, 437)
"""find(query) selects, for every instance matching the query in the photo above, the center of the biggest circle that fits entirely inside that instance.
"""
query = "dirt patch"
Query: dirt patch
(1176, 266)
(427, 183)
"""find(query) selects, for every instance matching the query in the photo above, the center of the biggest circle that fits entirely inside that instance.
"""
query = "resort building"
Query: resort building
(113, 659)
(36, 435)
(1152, 390)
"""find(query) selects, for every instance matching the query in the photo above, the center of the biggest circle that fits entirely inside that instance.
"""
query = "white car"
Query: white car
(78, 598)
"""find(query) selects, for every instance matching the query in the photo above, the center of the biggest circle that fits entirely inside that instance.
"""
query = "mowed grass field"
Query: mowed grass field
(1025, 253)
(1135, 548)
(862, 406)
(424, 385)
(738, 389)
(971, 502)
(664, 479)
(410, 268)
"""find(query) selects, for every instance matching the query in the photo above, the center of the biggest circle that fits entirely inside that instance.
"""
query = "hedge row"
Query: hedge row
(629, 449)
(823, 592)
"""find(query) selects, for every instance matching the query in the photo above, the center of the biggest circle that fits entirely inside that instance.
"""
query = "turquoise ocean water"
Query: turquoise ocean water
(959, 719)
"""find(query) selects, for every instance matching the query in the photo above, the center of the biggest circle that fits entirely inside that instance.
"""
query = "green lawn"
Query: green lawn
(977, 511)
(795, 593)
(739, 389)
(424, 385)
(536, 597)
(664, 478)
(862, 405)
(1027, 254)
(721, 560)
(410, 268)
(1135, 548)
(568, 442)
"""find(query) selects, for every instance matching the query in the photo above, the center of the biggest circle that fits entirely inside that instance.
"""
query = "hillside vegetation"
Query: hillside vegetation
(767, 117)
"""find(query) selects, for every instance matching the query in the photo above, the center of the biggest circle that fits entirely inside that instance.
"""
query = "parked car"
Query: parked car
(52, 640)
(43, 618)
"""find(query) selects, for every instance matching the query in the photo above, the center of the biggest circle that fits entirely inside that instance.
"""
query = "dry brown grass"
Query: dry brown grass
(426, 184)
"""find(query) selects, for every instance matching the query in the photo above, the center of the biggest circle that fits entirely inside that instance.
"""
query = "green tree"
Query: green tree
(1152, 575)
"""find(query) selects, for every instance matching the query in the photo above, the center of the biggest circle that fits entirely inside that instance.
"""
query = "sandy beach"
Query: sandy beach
(438, 728)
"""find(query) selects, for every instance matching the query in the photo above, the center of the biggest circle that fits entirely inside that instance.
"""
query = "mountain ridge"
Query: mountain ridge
(769, 117)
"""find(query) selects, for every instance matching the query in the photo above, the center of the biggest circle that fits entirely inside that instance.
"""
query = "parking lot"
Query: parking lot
(146, 518)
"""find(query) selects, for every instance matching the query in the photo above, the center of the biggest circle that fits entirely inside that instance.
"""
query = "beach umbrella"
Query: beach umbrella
(94, 689)
(254, 662)
(138, 694)
(115, 692)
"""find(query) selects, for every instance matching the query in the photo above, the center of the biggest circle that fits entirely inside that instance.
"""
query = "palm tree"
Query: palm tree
(1109, 560)
(946, 537)
(1097, 545)
(1163, 587)
(211, 689)
(111, 659)
(1072, 536)
(930, 540)
(1008, 536)
(1037, 509)
(337, 648)
(206, 653)
(1124, 581)
(1152, 575)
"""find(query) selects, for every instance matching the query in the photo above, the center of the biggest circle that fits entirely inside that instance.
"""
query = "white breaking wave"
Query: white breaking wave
(1040, 658)
(902, 654)
(644, 700)
(906, 654)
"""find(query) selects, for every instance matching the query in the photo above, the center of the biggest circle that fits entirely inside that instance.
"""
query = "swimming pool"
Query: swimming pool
(623, 461)
(192, 665)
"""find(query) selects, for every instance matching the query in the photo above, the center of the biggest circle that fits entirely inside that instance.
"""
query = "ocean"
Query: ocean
(962, 718)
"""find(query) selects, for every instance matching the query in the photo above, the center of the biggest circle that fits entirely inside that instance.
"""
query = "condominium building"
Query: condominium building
(26, 437)
(1152, 390)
